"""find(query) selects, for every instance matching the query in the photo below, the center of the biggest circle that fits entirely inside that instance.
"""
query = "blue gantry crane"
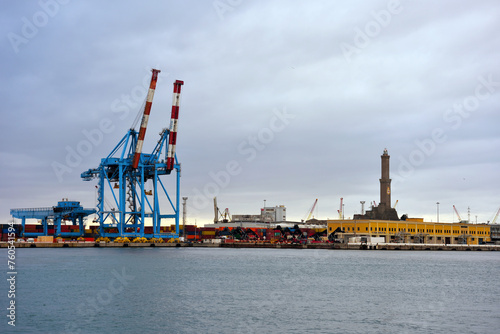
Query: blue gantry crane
(64, 211)
(125, 207)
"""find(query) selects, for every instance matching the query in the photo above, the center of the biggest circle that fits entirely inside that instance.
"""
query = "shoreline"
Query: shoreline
(334, 246)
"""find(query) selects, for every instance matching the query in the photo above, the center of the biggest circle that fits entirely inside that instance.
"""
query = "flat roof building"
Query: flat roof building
(412, 230)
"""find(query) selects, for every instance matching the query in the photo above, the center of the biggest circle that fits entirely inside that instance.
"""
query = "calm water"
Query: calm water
(155, 290)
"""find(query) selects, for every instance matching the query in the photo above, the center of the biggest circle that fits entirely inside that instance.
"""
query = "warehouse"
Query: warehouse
(412, 230)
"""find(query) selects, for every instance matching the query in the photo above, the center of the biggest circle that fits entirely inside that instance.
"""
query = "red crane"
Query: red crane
(458, 215)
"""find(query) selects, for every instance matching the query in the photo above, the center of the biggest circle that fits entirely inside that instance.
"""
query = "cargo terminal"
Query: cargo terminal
(138, 200)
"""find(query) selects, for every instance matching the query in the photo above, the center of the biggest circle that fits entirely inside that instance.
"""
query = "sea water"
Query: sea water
(218, 290)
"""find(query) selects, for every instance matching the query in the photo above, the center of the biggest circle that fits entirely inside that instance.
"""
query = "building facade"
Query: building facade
(413, 230)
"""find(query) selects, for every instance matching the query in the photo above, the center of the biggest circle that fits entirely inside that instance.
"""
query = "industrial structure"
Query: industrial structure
(125, 205)
(412, 230)
(65, 211)
(384, 209)
(382, 222)
(268, 215)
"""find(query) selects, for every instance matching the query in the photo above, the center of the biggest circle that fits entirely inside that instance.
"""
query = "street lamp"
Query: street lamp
(437, 203)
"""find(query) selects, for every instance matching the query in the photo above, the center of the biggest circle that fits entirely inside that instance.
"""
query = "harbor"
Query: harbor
(332, 246)
(138, 215)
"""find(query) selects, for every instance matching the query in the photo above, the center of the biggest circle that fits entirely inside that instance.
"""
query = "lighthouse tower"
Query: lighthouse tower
(385, 182)
(383, 211)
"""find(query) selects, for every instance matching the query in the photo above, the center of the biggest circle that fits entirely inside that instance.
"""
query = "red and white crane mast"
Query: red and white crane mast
(145, 118)
(172, 140)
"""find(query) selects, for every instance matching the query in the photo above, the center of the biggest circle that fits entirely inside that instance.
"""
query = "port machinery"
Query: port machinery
(125, 172)
(64, 211)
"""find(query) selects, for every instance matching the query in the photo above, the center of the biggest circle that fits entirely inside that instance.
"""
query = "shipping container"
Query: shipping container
(42, 238)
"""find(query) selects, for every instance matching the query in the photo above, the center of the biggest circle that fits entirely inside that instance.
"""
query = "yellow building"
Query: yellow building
(412, 230)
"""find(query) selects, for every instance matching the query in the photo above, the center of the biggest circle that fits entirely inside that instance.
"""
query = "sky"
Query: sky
(283, 102)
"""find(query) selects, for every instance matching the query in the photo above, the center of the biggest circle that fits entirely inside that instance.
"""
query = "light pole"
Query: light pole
(184, 200)
(437, 203)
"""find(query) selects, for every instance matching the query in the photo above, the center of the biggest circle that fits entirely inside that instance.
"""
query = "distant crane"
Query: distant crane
(64, 211)
(312, 210)
(222, 216)
(496, 216)
(226, 216)
(458, 215)
(340, 211)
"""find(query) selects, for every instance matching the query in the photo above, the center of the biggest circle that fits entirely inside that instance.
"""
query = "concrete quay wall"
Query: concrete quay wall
(340, 246)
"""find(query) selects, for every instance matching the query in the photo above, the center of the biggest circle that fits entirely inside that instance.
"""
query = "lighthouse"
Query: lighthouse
(385, 182)
(383, 211)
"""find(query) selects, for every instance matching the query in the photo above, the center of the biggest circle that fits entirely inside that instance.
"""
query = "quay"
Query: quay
(333, 246)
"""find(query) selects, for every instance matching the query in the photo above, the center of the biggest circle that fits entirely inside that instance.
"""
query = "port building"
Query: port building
(412, 230)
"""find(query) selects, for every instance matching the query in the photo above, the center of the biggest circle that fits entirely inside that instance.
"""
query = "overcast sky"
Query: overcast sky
(283, 101)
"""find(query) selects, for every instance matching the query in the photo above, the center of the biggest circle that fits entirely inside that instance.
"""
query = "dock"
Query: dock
(332, 246)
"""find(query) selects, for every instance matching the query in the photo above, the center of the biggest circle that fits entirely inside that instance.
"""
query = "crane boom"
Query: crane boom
(340, 211)
(172, 139)
(496, 216)
(312, 210)
(458, 215)
(145, 118)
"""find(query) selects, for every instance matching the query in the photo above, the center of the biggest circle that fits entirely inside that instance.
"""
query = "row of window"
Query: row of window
(393, 229)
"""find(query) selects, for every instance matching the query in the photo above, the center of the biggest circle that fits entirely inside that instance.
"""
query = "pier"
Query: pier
(333, 246)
